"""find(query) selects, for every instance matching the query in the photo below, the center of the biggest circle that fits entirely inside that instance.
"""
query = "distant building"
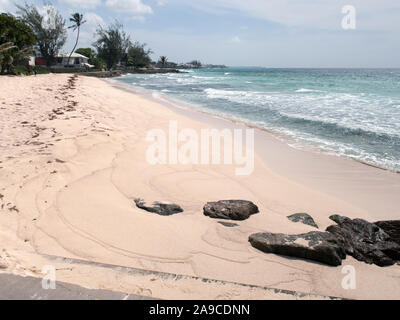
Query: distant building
(31, 61)
(77, 60)
(61, 61)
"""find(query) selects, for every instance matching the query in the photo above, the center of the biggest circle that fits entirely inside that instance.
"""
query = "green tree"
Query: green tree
(138, 56)
(163, 61)
(16, 41)
(112, 44)
(196, 63)
(93, 59)
(49, 28)
(77, 20)
(98, 63)
(87, 52)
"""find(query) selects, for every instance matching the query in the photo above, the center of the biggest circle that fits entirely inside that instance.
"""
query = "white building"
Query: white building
(77, 60)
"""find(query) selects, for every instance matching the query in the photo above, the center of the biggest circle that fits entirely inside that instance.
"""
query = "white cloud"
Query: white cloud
(85, 4)
(131, 6)
(235, 39)
(323, 14)
(93, 20)
(140, 19)
(6, 6)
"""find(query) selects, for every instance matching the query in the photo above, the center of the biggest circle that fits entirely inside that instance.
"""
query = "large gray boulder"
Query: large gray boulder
(365, 241)
(162, 209)
(304, 218)
(317, 246)
(230, 209)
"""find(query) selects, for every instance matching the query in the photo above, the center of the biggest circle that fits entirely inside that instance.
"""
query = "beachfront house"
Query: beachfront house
(61, 61)
(76, 61)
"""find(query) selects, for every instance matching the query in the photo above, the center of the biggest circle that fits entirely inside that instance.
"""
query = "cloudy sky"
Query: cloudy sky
(270, 33)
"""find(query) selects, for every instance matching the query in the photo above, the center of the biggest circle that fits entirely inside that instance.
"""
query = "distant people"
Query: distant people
(34, 70)
(28, 69)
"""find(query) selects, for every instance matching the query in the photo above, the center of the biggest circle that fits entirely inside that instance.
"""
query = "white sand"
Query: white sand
(81, 206)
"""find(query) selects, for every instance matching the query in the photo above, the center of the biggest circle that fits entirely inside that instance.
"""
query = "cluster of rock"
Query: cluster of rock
(374, 243)
(226, 209)
(366, 241)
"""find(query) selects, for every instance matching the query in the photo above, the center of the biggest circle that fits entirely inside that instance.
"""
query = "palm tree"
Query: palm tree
(163, 60)
(77, 20)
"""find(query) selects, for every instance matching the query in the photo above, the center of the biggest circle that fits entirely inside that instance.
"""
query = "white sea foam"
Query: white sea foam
(307, 90)
(305, 114)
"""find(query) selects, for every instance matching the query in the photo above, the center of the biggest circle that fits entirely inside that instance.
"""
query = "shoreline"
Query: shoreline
(77, 151)
(182, 106)
(264, 137)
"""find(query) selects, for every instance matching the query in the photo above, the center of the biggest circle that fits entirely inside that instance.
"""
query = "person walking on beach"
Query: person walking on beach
(34, 70)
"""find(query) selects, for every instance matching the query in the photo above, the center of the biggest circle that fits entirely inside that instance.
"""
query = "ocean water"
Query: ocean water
(349, 112)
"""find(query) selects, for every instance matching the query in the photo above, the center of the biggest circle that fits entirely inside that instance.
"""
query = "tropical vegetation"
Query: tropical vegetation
(49, 28)
(16, 42)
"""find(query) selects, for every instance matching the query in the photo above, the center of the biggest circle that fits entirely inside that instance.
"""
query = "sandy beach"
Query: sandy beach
(73, 159)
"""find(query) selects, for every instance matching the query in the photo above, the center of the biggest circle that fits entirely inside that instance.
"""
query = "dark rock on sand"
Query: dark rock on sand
(317, 246)
(163, 209)
(392, 228)
(228, 224)
(303, 218)
(230, 209)
(365, 241)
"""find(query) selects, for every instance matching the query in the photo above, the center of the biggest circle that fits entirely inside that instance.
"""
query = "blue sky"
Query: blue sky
(270, 33)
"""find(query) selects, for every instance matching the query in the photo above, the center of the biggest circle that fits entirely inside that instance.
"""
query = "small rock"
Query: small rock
(303, 218)
(228, 224)
(163, 209)
(317, 246)
(365, 241)
(230, 209)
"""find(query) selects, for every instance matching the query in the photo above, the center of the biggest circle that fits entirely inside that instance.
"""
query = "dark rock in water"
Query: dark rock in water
(163, 209)
(317, 246)
(230, 209)
(228, 224)
(303, 218)
(365, 241)
(392, 228)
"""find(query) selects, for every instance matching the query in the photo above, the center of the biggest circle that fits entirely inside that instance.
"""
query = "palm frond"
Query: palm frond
(7, 46)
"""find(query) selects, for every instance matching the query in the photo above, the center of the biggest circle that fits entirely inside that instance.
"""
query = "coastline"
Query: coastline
(80, 205)
(265, 138)
(180, 105)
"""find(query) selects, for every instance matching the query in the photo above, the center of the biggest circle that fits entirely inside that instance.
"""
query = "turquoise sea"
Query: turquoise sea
(350, 112)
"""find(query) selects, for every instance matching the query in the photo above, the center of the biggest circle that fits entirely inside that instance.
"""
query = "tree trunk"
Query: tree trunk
(76, 43)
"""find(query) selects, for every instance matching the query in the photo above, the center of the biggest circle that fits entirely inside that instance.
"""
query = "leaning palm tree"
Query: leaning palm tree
(77, 20)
